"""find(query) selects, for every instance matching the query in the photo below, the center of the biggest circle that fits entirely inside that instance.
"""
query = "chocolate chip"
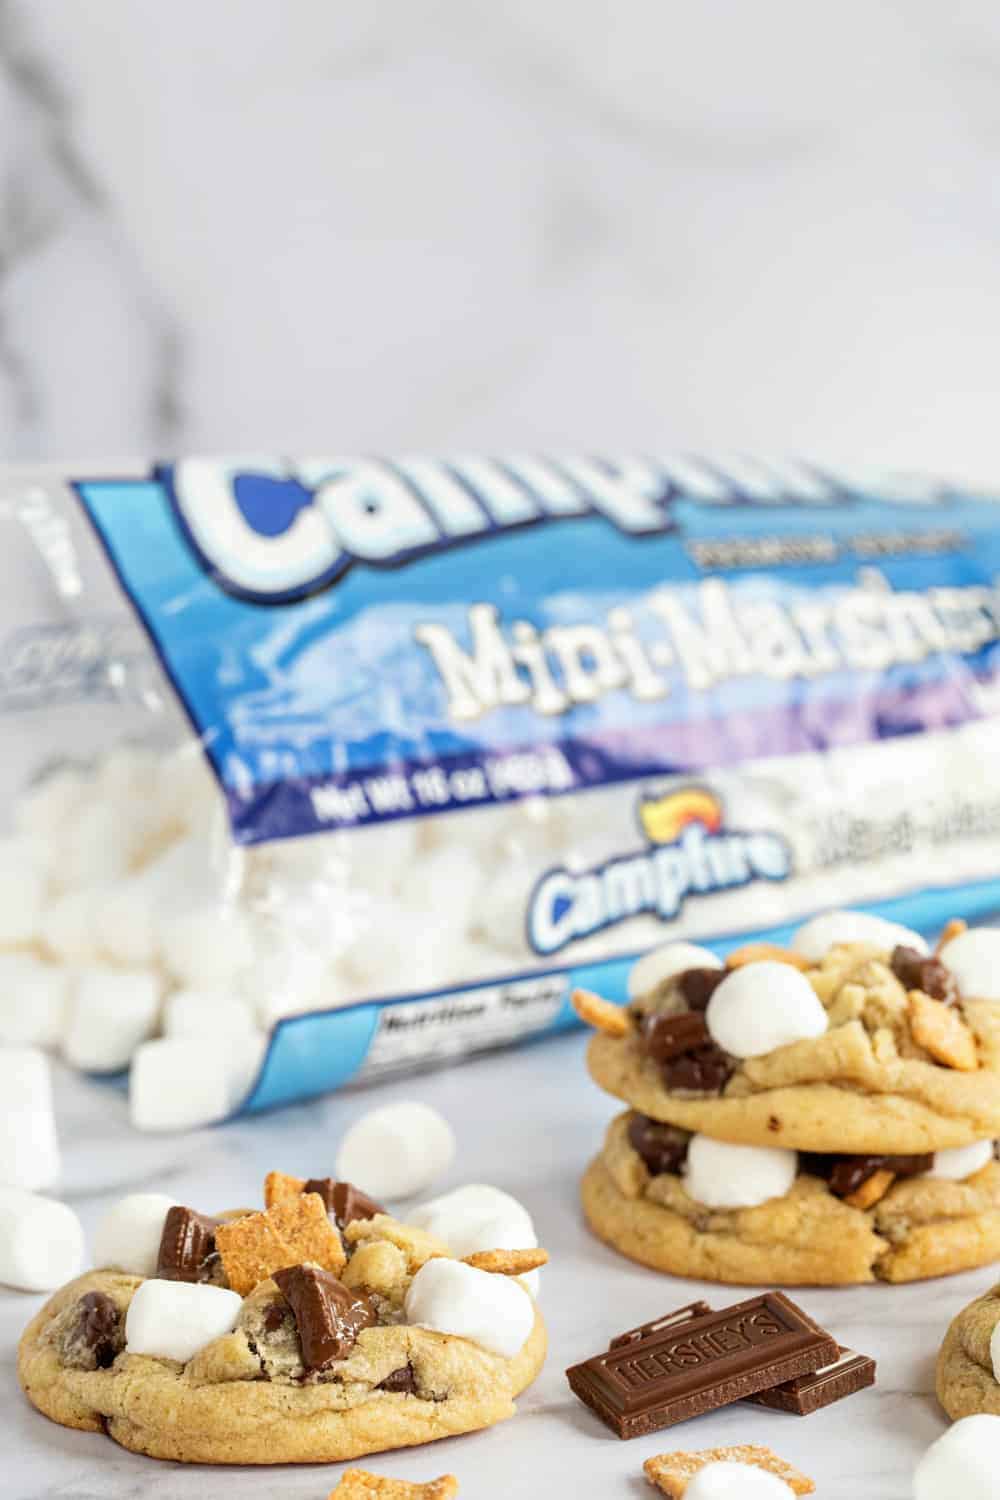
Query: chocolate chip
(697, 986)
(98, 1328)
(186, 1245)
(328, 1315)
(666, 1037)
(663, 1148)
(918, 972)
(402, 1381)
(342, 1199)
(706, 1070)
(845, 1174)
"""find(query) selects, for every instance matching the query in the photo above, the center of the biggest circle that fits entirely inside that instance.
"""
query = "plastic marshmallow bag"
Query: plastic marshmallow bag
(434, 742)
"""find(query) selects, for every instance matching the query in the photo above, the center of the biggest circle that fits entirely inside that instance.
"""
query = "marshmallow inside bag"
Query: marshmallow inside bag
(41, 1241)
(179, 1083)
(128, 1237)
(29, 1145)
(721, 1175)
(763, 1006)
(479, 1217)
(207, 1013)
(174, 1319)
(490, 1310)
(960, 1162)
(664, 962)
(70, 927)
(34, 998)
(735, 1481)
(206, 946)
(397, 1150)
(963, 1464)
(22, 891)
(819, 934)
(111, 1012)
(974, 959)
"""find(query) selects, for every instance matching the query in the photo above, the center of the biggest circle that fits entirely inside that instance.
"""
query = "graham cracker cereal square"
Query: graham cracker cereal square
(280, 1188)
(357, 1484)
(304, 1225)
(288, 1234)
(673, 1472)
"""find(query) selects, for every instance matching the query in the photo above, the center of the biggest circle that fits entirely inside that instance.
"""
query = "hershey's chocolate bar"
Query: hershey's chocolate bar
(808, 1393)
(694, 1361)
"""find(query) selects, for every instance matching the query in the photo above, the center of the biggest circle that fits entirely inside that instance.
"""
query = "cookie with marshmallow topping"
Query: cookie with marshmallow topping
(317, 1330)
(856, 1039)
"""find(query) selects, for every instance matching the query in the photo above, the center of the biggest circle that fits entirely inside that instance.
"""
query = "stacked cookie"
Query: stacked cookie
(823, 1114)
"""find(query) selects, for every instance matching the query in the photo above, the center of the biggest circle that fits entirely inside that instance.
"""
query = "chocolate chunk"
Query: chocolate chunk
(98, 1330)
(697, 986)
(845, 1174)
(667, 1037)
(918, 972)
(808, 1393)
(328, 1315)
(402, 1381)
(276, 1316)
(663, 1148)
(706, 1070)
(343, 1200)
(186, 1245)
(699, 1362)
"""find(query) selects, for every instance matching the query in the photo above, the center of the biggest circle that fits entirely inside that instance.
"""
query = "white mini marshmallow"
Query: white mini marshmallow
(490, 1310)
(98, 846)
(206, 946)
(128, 1237)
(961, 1465)
(974, 959)
(736, 1481)
(29, 1146)
(819, 934)
(174, 1319)
(721, 1175)
(397, 1150)
(47, 807)
(111, 1012)
(179, 1083)
(762, 1006)
(41, 1241)
(207, 1013)
(70, 927)
(34, 997)
(664, 962)
(960, 1162)
(479, 1217)
(22, 891)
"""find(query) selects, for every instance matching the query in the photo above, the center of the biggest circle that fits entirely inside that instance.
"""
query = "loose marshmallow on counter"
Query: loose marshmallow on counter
(663, 963)
(29, 1146)
(174, 1319)
(721, 1175)
(397, 1150)
(974, 959)
(963, 1464)
(479, 1217)
(34, 997)
(448, 1296)
(821, 933)
(762, 1006)
(207, 1013)
(960, 1162)
(111, 1012)
(41, 1241)
(179, 1083)
(128, 1237)
(735, 1481)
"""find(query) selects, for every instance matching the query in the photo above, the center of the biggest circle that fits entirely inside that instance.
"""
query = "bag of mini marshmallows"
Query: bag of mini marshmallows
(377, 761)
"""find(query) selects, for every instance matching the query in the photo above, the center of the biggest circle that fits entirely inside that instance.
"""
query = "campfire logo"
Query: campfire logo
(690, 852)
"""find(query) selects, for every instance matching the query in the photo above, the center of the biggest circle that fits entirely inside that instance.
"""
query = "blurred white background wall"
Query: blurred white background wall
(448, 224)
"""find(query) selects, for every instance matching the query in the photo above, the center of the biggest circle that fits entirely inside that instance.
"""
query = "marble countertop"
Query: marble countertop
(527, 1121)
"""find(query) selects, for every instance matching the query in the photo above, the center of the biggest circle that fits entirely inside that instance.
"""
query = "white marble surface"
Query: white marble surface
(452, 225)
(526, 1120)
